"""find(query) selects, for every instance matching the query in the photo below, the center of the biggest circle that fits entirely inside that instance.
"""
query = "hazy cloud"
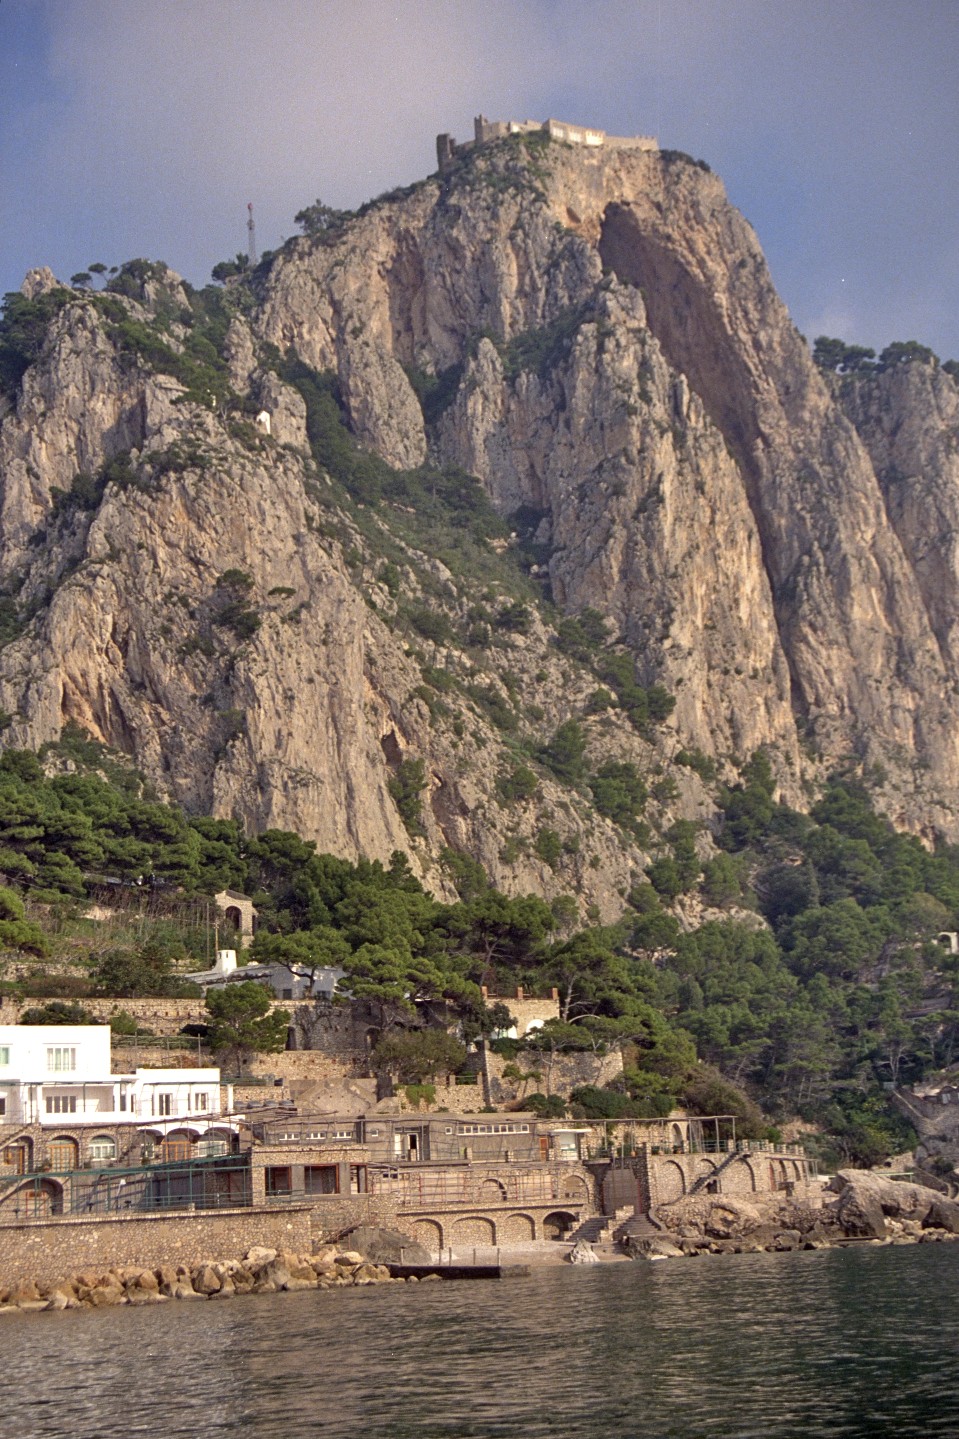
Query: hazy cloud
(144, 126)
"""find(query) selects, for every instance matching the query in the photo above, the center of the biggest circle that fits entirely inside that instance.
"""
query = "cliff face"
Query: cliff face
(698, 482)
(597, 339)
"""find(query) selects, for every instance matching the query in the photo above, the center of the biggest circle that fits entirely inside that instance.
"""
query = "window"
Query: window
(3, 1104)
(61, 1060)
(201, 1102)
(493, 1129)
(321, 1179)
(61, 1103)
(212, 1148)
(4, 1054)
(123, 1099)
(164, 1104)
(342, 1134)
(279, 1181)
(103, 1150)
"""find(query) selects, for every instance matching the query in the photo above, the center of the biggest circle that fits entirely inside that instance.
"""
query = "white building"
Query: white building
(60, 1076)
(287, 981)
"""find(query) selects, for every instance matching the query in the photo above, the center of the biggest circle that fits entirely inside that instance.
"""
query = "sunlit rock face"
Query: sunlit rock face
(595, 336)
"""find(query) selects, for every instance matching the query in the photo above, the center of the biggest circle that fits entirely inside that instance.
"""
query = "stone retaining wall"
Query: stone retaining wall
(45, 1250)
(162, 1016)
(561, 1073)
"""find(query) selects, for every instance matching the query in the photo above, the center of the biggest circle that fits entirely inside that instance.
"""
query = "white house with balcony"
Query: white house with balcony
(59, 1076)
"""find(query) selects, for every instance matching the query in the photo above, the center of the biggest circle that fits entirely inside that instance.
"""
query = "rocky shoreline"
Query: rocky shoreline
(854, 1206)
(260, 1271)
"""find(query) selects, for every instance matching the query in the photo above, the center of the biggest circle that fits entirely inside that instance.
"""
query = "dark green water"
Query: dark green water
(858, 1342)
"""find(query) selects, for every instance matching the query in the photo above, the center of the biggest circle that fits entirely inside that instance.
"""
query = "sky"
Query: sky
(143, 127)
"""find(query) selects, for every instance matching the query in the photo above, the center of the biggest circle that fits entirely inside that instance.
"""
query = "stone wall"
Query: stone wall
(50, 1249)
(438, 1229)
(310, 1064)
(162, 1016)
(664, 1178)
(526, 1008)
(561, 1073)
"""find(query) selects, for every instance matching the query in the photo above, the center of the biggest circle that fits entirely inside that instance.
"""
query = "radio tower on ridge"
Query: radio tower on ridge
(251, 232)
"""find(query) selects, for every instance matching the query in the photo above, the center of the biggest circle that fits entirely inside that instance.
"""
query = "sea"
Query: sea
(858, 1341)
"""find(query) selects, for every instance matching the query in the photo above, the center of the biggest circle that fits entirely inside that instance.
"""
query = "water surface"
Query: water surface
(857, 1342)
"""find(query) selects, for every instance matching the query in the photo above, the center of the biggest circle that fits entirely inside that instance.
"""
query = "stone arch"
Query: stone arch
(213, 1143)
(102, 1150)
(672, 1182)
(492, 1191)
(574, 1187)
(797, 1170)
(517, 1229)
(17, 1158)
(178, 1144)
(429, 1233)
(63, 1152)
(472, 1229)
(676, 1136)
(34, 1199)
(557, 1224)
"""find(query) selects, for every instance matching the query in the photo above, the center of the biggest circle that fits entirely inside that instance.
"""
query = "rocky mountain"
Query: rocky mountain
(330, 627)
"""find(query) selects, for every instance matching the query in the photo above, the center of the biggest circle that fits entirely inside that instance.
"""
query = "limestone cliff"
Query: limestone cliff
(596, 338)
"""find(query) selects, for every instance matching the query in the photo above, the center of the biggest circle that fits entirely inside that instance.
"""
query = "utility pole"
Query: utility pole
(251, 232)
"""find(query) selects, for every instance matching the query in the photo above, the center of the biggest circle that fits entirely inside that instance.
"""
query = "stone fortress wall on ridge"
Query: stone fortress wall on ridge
(485, 131)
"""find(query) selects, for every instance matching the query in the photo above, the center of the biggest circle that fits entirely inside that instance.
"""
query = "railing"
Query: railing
(79, 1193)
(724, 1147)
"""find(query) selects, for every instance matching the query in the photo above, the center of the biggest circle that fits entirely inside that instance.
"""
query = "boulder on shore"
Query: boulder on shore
(582, 1253)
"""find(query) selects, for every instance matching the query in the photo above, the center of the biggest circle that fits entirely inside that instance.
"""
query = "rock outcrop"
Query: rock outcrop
(597, 339)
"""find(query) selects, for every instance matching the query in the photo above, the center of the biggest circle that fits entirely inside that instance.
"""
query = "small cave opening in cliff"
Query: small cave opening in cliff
(688, 325)
(390, 746)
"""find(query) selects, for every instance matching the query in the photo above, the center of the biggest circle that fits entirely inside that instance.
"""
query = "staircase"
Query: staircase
(704, 1179)
(637, 1226)
(603, 1229)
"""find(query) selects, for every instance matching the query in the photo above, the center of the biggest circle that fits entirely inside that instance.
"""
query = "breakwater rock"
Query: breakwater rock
(260, 1271)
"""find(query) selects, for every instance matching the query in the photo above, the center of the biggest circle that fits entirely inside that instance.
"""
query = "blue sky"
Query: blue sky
(143, 127)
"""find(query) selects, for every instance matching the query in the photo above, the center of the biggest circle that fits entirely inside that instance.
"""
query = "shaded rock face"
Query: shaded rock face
(618, 367)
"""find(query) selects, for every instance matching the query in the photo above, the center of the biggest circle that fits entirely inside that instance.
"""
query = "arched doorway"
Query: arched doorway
(214, 1143)
(473, 1229)
(672, 1182)
(17, 1158)
(517, 1229)
(558, 1224)
(428, 1233)
(36, 1199)
(574, 1187)
(177, 1145)
(63, 1153)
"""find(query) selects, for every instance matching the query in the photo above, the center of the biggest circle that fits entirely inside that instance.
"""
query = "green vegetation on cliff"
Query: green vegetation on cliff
(837, 989)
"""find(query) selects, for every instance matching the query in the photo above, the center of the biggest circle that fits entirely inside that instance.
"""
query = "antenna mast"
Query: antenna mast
(251, 232)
